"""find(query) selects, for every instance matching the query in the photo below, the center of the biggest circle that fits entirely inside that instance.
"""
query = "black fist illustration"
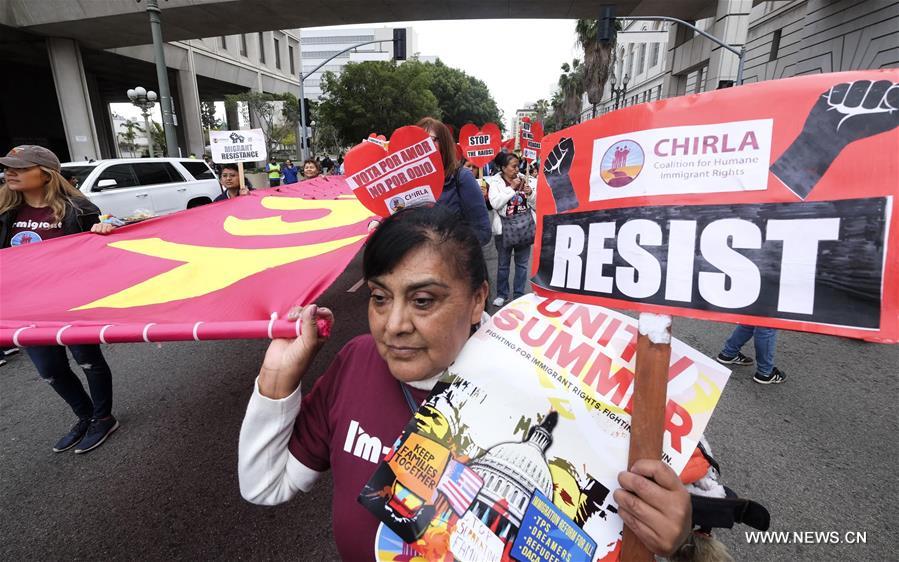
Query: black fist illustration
(555, 169)
(844, 114)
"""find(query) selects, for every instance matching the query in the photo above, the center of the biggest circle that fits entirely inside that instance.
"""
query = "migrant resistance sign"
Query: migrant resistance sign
(769, 204)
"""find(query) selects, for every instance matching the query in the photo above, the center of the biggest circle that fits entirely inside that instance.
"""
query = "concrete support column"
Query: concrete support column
(74, 98)
(190, 104)
(731, 26)
(673, 84)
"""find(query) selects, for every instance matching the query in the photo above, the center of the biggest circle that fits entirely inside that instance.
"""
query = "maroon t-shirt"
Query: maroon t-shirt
(34, 224)
(348, 422)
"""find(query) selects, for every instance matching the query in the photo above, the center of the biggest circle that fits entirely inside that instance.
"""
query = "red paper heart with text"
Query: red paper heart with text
(530, 148)
(408, 172)
(480, 145)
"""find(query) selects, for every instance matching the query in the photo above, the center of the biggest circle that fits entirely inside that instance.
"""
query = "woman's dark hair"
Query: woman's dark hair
(230, 166)
(413, 227)
(502, 159)
(446, 144)
(314, 162)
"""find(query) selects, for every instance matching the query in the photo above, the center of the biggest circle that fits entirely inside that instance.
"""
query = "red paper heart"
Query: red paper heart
(480, 146)
(409, 172)
(530, 148)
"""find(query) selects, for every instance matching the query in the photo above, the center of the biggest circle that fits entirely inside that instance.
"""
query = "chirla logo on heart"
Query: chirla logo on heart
(622, 163)
(387, 177)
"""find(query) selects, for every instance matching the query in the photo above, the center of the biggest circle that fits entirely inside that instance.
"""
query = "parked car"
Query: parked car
(125, 187)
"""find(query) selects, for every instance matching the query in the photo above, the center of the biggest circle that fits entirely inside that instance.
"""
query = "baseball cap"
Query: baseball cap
(28, 155)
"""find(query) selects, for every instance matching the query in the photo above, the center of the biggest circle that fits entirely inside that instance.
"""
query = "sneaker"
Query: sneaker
(73, 436)
(739, 359)
(499, 301)
(776, 377)
(97, 433)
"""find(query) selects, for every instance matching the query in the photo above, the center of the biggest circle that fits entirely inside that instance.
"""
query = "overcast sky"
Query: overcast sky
(519, 60)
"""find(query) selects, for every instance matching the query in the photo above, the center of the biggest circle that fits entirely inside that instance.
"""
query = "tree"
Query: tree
(128, 137)
(157, 135)
(566, 100)
(598, 59)
(267, 108)
(375, 96)
(542, 109)
(462, 98)
(207, 117)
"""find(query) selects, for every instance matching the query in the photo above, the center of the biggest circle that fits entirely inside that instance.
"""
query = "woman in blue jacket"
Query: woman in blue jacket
(461, 192)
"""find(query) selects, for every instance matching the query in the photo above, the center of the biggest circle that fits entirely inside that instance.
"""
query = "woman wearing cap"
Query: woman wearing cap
(37, 204)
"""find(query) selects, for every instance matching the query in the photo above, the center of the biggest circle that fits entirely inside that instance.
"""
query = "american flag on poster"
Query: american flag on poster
(460, 485)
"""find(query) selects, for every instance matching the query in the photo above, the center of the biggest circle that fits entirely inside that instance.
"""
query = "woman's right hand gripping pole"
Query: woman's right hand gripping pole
(287, 360)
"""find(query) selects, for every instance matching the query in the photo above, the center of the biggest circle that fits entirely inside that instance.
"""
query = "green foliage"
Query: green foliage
(375, 96)
(462, 98)
(598, 58)
(207, 117)
(379, 96)
(128, 137)
(267, 108)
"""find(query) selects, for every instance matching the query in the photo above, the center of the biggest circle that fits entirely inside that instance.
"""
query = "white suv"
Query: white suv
(124, 186)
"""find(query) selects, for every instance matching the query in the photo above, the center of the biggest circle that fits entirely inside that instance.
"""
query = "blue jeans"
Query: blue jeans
(765, 339)
(504, 260)
(52, 364)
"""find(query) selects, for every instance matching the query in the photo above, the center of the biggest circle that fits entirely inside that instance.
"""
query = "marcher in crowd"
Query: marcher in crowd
(461, 193)
(289, 172)
(512, 197)
(311, 169)
(428, 286)
(229, 178)
(37, 204)
(338, 169)
(274, 173)
(327, 165)
(765, 342)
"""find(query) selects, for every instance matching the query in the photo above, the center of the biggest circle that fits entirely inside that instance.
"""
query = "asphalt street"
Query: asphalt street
(819, 451)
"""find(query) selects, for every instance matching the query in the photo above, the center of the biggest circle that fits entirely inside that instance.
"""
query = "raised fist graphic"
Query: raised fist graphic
(844, 114)
(555, 169)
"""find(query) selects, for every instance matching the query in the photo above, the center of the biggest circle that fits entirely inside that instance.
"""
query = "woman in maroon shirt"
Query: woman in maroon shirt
(37, 204)
(428, 286)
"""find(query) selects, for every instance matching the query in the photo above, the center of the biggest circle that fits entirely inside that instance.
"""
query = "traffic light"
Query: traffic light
(399, 44)
(307, 107)
(605, 26)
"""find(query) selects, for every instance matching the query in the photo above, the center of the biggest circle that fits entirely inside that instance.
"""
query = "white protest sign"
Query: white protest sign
(237, 146)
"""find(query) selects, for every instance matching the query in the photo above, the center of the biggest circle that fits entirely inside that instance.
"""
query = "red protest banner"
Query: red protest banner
(480, 145)
(228, 270)
(530, 149)
(407, 171)
(768, 204)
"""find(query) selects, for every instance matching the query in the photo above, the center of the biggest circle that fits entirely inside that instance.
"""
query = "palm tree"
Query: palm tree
(598, 59)
(128, 136)
(571, 85)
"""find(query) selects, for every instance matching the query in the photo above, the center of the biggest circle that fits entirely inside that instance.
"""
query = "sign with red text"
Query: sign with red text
(769, 204)
(531, 471)
(530, 148)
(406, 172)
(480, 145)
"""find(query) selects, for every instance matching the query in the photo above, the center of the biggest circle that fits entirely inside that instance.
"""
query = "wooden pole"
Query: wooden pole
(240, 176)
(648, 416)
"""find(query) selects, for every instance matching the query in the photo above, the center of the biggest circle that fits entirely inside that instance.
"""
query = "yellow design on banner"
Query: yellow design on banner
(206, 269)
(341, 212)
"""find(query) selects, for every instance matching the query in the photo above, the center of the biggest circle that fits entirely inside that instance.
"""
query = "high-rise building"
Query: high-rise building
(317, 44)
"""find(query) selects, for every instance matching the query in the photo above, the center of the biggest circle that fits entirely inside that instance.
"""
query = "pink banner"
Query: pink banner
(222, 271)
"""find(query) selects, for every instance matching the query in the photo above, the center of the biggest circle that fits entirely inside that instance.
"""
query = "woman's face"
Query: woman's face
(230, 179)
(289, 164)
(471, 167)
(26, 179)
(310, 171)
(510, 170)
(420, 314)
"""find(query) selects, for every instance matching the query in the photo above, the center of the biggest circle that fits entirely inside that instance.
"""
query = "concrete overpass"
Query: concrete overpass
(105, 24)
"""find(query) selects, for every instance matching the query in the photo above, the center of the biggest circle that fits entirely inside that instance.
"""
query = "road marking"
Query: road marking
(355, 287)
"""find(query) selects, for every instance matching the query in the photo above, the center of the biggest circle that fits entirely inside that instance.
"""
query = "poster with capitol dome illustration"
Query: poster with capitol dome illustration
(515, 454)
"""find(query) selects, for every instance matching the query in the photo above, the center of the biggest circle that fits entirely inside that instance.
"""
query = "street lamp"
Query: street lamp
(619, 93)
(144, 100)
